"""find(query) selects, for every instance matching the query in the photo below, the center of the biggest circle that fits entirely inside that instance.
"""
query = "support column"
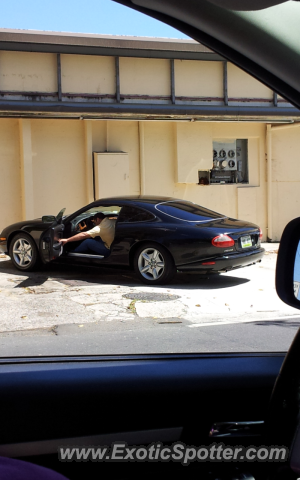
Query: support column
(117, 65)
(59, 92)
(107, 136)
(225, 83)
(142, 157)
(26, 169)
(88, 153)
(269, 183)
(173, 97)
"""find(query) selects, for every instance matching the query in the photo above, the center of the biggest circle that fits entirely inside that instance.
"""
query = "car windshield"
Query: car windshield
(178, 170)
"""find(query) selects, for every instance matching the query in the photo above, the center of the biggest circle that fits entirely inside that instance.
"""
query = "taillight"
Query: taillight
(260, 234)
(222, 241)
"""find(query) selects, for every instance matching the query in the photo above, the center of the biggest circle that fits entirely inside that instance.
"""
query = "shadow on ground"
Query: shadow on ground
(289, 323)
(85, 275)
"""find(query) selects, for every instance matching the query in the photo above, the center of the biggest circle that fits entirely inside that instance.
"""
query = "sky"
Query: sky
(88, 16)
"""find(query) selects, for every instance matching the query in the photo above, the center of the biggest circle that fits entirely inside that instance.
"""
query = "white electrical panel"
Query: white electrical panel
(111, 174)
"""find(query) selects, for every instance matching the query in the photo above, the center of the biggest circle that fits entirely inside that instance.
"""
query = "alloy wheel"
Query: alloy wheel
(22, 252)
(151, 264)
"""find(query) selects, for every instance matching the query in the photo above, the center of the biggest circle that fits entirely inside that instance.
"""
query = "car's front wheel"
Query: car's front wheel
(23, 252)
(154, 264)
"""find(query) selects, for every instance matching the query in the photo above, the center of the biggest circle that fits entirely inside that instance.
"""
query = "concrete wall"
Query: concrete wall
(58, 166)
(240, 84)
(10, 177)
(286, 177)
(145, 76)
(91, 74)
(50, 168)
(88, 74)
(47, 164)
(28, 71)
(198, 79)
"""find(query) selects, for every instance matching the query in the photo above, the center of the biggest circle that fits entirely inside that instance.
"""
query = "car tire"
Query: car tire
(23, 252)
(153, 264)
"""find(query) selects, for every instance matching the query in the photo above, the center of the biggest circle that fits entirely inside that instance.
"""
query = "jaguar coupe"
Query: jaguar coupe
(155, 236)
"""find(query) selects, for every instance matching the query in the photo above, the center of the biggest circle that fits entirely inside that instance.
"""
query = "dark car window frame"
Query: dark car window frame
(136, 221)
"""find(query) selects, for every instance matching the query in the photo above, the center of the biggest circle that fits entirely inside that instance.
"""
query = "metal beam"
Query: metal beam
(108, 51)
(269, 183)
(173, 98)
(130, 109)
(275, 99)
(59, 94)
(225, 83)
(117, 64)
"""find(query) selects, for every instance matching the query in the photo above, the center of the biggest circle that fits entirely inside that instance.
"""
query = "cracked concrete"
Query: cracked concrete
(60, 295)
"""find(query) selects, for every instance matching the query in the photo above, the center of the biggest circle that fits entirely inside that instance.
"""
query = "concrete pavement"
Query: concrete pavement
(60, 295)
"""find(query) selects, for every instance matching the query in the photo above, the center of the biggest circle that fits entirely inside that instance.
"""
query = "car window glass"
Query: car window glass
(187, 211)
(87, 215)
(133, 215)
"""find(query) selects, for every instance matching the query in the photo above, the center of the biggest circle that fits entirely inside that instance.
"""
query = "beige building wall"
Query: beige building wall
(10, 177)
(194, 150)
(144, 76)
(160, 158)
(28, 71)
(286, 178)
(54, 164)
(88, 74)
(242, 85)
(92, 74)
(198, 79)
(48, 164)
(58, 166)
(120, 136)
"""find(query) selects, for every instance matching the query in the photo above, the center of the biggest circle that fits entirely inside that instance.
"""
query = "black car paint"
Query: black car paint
(188, 242)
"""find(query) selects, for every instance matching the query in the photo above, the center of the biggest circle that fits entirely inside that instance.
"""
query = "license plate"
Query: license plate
(246, 241)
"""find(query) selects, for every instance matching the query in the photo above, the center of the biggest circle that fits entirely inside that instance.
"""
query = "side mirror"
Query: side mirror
(288, 265)
(48, 219)
(297, 273)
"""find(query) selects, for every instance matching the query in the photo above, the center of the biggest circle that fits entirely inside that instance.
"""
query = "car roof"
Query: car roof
(153, 199)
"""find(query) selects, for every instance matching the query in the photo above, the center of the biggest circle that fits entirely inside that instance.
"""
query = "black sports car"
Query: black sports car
(154, 235)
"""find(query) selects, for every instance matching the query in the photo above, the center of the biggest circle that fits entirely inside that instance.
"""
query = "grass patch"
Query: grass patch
(131, 307)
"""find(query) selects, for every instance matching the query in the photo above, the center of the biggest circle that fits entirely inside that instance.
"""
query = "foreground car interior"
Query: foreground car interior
(198, 399)
(140, 400)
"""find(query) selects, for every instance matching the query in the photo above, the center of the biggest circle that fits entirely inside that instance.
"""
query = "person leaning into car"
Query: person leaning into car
(96, 241)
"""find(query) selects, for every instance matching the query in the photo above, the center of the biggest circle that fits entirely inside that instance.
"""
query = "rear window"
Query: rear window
(187, 211)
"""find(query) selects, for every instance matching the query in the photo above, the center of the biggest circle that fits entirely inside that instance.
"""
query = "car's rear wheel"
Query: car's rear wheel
(23, 252)
(154, 264)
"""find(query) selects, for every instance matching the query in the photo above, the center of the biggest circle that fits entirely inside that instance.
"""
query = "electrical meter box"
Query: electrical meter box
(230, 161)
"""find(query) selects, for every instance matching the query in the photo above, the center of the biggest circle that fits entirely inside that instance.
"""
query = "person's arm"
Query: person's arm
(75, 238)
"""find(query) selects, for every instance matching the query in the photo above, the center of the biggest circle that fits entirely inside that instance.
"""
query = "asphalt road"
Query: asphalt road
(122, 338)
(85, 311)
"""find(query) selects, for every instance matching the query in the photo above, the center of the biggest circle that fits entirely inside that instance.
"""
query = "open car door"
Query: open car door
(50, 247)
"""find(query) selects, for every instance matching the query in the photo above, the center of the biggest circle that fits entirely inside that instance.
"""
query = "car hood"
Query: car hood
(36, 223)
